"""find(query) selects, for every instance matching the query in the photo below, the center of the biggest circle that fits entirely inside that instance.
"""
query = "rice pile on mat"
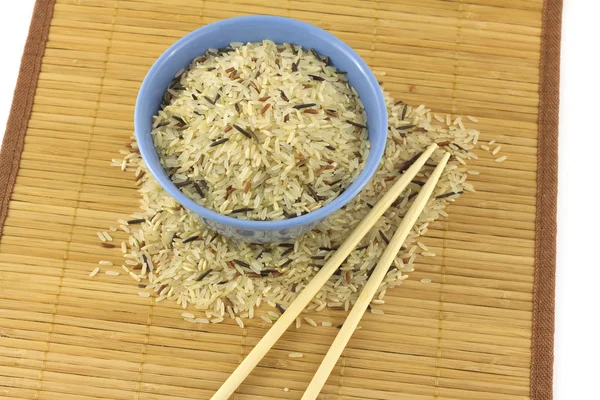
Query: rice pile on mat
(261, 131)
(310, 127)
(179, 259)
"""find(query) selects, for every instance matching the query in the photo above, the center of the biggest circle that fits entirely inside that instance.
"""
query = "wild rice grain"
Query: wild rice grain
(218, 142)
(356, 124)
(301, 106)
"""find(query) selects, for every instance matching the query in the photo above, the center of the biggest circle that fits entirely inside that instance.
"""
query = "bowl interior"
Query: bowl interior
(254, 29)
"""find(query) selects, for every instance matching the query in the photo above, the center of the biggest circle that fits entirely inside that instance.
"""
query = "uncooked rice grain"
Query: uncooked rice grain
(239, 322)
(295, 355)
(134, 276)
(500, 159)
(112, 273)
(95, 271)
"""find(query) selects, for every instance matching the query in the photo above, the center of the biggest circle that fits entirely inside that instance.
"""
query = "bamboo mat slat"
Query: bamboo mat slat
(467, 335)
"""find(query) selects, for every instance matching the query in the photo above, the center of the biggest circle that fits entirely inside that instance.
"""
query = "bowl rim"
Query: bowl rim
(312, 217)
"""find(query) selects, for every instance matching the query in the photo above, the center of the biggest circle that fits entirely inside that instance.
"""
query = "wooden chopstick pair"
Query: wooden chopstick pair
(365, 297)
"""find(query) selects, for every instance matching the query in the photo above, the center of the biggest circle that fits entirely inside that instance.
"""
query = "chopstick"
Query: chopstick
(369, 290)
(304, 298)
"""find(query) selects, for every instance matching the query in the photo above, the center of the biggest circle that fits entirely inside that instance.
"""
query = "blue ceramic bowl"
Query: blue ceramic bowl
(254, 29)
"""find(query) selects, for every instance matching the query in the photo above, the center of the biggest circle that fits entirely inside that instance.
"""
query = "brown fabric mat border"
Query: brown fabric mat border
(542, 342)
(20, 111)
(542, 357)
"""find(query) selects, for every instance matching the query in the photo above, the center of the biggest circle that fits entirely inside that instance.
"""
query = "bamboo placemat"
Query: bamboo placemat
(481, 330)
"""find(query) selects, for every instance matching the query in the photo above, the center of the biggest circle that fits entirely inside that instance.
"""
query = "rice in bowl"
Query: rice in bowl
(261, 131)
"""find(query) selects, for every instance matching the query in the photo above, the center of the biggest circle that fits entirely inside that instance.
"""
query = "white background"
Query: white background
(578, 273)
